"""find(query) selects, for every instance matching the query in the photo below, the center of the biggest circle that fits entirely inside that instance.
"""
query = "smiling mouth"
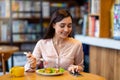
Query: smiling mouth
(65, 34)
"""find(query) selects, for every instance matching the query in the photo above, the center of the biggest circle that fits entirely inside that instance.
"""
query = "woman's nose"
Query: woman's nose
(66, 29)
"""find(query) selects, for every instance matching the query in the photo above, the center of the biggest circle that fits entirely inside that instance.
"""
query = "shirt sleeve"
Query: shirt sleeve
(79, 56)
(37, 54)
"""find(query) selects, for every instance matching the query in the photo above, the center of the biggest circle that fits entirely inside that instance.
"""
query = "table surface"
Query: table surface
(65, 76)
(5, 49)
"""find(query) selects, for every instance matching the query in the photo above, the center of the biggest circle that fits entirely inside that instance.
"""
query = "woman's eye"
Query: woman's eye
(70, 25)
(62, 26)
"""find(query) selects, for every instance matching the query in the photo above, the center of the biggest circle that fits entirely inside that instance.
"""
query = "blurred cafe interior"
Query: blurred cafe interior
(95, 23)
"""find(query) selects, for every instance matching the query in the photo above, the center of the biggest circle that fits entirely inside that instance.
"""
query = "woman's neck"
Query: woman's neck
(58, 41)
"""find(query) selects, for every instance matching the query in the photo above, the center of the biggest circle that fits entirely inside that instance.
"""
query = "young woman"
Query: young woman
(58, 48)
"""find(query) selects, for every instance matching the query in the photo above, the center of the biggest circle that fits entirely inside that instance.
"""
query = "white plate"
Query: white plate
(49, 74)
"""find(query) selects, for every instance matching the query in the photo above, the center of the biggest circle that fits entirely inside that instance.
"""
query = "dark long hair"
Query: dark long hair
(57, 16)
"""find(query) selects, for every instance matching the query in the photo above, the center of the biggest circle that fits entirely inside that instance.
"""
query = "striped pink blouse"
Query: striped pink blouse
(70, 54)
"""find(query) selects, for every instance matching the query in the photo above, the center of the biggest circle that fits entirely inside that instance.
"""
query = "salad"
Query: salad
(51, 70)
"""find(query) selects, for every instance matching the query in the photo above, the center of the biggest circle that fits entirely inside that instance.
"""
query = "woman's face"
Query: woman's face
(63, 28)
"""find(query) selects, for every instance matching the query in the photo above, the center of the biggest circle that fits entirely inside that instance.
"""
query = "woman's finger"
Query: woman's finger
(28, 55)
(71, 69)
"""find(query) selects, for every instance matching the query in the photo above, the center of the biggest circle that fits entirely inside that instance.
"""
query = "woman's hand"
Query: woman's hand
(31, 60)
(75, 68)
